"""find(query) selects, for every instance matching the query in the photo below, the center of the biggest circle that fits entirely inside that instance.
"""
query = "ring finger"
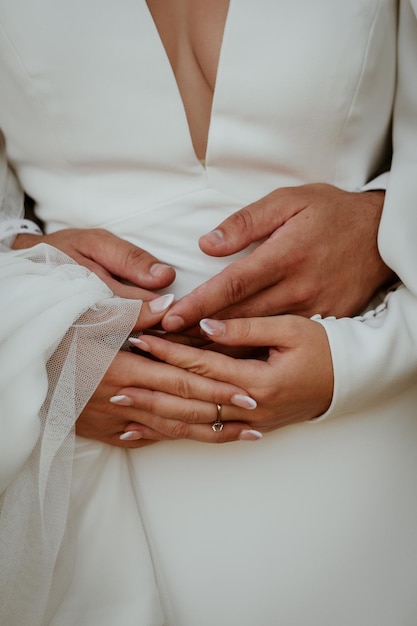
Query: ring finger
(197, 417)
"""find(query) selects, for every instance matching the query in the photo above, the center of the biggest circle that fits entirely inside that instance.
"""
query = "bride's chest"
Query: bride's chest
(95, 77)
(191, 32)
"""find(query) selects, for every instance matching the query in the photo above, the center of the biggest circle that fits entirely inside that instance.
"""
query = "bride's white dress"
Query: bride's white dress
(315, 525)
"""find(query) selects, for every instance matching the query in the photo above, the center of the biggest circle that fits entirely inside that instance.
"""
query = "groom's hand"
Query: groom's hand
(113, 259)
(318, 253)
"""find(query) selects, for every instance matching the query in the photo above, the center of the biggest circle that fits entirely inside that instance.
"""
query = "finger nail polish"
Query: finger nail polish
(215, 237)
(157, 269)
(245, 402)
(161, 303)
(139, 343)
(250, 435)
(130, 435)
(213, 327)
(122, 400)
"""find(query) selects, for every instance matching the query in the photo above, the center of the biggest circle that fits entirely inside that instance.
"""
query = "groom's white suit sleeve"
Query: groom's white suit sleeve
(375, 356)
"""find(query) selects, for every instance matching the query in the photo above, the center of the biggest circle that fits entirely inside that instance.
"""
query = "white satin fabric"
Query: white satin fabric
(315, 524)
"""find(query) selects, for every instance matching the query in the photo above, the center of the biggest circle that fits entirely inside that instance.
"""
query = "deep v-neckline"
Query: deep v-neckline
(163, 55)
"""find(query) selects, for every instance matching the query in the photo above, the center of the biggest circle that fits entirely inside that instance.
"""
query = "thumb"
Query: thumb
(249, 224)
(127, 261)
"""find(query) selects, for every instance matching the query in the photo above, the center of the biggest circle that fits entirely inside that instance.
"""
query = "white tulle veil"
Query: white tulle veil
(60, 328)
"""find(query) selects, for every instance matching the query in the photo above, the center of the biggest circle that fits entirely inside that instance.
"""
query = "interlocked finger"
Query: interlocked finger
(189, 411)
(162, 415)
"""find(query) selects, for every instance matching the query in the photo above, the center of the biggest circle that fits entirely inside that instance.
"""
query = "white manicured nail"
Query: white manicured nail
(161, 303)
(250, 435)
(130, 435)
(245, 402)
(213, 327)
(122, 400)
(139, 343)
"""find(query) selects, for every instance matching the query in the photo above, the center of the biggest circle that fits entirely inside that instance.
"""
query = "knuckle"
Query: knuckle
(136, 256)
(242, 220)
(191, 416)
(264, 397)
(224, 437)
(295, 258)
(245, 330)
(180, 430)
(274, 198)
(97, 235)
(100, 232)
(182, 388)
(197, 303)
(235, 289)
(305, 296)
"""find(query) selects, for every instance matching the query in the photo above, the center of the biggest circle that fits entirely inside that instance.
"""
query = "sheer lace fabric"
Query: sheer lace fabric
(60, 329)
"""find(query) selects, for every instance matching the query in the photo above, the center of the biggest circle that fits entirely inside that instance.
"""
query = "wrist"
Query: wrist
(22, 242)
(12, 229)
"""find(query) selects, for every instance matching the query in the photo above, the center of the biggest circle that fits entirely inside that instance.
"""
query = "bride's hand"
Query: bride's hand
(107, 415)
(293, 384)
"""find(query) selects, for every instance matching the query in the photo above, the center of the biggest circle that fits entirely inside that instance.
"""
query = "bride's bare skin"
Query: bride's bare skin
(191, 32)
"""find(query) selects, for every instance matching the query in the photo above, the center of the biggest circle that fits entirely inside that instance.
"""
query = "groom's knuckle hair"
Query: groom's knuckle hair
(235, 288)
(242, 221)
(135, 255)
(199, 308)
